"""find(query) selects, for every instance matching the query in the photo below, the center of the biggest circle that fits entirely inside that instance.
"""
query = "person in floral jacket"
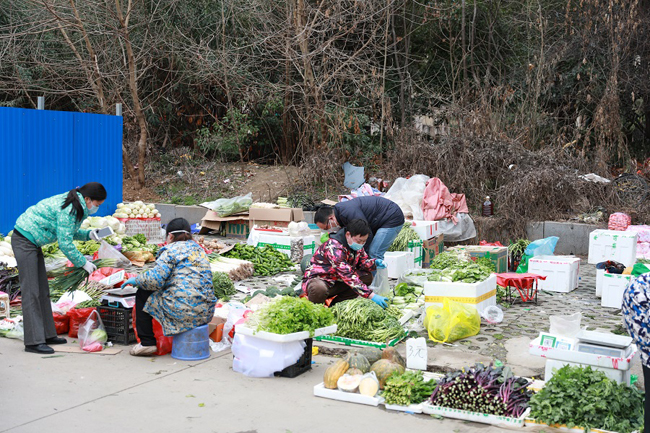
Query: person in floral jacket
(177, 292)
(341, 267)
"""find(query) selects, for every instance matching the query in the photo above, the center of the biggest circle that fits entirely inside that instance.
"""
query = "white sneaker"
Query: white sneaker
(140, 350)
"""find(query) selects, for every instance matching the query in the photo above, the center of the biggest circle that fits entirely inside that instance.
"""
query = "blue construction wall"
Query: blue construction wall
(51, 152)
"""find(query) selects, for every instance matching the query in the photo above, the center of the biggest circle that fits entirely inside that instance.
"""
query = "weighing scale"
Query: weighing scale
(599, 343)
(120, 297)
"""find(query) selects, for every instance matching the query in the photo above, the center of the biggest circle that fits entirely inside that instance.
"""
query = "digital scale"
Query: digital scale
(598, 343)
(120, 297)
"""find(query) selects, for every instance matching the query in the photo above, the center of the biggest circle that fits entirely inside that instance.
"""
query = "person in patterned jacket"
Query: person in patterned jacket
(341, 267)
(177, 292)
(636, 316)
(59, 219)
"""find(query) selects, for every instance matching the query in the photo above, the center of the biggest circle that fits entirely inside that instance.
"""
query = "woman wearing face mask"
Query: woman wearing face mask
(341, 268)
(57, 218)
(177, 292)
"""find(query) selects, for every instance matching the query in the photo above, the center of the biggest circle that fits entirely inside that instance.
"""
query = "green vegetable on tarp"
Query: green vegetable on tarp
(586, 398)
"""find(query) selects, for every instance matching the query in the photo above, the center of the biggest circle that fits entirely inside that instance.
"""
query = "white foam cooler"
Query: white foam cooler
(398, 262)
(479, 295)
(613, 287)
(612, 245)
(600, 273)
(561, 272)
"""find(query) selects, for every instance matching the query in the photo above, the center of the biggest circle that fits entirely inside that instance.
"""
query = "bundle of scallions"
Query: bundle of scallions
(67, 279)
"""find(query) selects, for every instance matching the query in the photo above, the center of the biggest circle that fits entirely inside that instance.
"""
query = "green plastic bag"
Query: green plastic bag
(523, 264)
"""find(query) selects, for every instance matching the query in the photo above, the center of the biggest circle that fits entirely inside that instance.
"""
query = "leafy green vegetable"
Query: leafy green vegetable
(402, 240)
(407, 388)
(87, 304)
(87, 248)
(587, 398)
(362, 319)
(450, 267)
(403, 289)
(287, 315)
(138, 243)
(223, 286)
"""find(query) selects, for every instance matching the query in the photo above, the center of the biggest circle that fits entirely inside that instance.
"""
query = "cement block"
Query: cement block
(167, 212)
(574, 237)
(535, 231)
(193, 214)
(309, 216)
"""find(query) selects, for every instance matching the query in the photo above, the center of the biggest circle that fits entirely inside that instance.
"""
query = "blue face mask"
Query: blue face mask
(355, 246)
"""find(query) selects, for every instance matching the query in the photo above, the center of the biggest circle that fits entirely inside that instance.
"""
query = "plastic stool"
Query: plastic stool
(191, 345)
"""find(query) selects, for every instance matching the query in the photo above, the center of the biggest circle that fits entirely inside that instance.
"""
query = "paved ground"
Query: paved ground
(108, 393)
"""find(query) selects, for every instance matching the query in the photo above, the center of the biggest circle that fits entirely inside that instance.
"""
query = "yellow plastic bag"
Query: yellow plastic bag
(453, 321)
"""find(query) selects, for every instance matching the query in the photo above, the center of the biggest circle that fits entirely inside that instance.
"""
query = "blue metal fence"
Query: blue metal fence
(50, 152)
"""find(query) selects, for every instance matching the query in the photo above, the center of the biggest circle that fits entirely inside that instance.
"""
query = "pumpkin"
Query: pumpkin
(334, 372)
(384, 368)
(372, 354)
(352, 371)
(369, 386)
(392, 354)
(357, 360)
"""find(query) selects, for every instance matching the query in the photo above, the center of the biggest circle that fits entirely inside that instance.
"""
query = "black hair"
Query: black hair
(179, 224)
(323, 214)
(358, 227)
(92, 190)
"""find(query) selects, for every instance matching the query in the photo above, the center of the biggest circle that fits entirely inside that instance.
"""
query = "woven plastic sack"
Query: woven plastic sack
(619, 221)
(453, 321)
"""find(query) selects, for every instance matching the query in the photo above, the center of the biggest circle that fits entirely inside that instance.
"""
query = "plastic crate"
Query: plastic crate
(303, 364)
(118, 324)
(150, 227)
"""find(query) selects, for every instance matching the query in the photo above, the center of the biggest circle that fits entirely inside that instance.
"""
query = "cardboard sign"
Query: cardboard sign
(416, 353)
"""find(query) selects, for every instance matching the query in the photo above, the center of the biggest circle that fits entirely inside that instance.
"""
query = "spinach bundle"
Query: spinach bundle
(407, 388)
(362, 319)
(483, 389)
(587, 398)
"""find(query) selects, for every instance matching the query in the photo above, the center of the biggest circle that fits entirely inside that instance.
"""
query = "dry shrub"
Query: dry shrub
(524, 185)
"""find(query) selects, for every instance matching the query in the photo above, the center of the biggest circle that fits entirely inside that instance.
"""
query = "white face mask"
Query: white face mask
(93, 210)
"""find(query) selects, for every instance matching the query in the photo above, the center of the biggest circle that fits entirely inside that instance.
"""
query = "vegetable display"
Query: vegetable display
(87, 248)
(362, 319)
(587, 398)
(288, 315)
(273, 291)
(483, 389)
(408, 297)
(137, 209)
(87, 304)
(52, 251)
(9, 281)
(67, 279)
(7, 253)
(334, 372)
(267, 260)
(235, 269)
(138, 243)
(224, 288)
(408, 388)
(101, 222)
(402, 240)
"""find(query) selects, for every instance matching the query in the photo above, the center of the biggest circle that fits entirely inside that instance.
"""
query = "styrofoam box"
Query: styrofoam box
(620, 376)
(484, 418)
(425, 229)
(350, 397)
(284, 338)
(600, 279)
(613, 286)
(561, 272)
(612, 245)
(283, 243)
(479, 295)
(609, 362)
(411, 408)
(398, 262)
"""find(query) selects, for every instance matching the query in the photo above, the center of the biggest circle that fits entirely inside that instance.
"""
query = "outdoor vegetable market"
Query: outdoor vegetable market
(366, 288)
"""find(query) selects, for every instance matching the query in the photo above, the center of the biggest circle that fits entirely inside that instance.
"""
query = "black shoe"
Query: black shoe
(56, 340)
(43, 349)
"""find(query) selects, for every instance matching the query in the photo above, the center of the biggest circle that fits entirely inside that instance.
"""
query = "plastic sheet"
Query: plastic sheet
(408, 195)
(453, 321)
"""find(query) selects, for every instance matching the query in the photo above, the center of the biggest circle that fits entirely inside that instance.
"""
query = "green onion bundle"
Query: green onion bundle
(70, 279)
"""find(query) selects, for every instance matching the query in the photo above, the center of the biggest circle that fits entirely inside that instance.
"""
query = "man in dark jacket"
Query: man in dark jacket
(384, 217)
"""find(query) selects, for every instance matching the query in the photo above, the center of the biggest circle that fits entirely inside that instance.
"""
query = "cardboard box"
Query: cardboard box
(274, 217)
(215, 328)
(282, 243)
(432, 247)
(612, 245)
(561, 272)
(498, 255)
(425, 229)
(234, 226)
(479, 295)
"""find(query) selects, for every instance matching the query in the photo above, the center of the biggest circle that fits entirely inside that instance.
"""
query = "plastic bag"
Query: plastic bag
(408, 195)
(566, 326)
(163, 343)
(92, 334)
(415, 277)
(380, 284)
(16, 332)
(61, 323)
(255, 357)
(492, 314)
(453, 321)
(542, 247)
(230, 206)
(139, 257)
(52, 263)
(107, 251)
(77, 318)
